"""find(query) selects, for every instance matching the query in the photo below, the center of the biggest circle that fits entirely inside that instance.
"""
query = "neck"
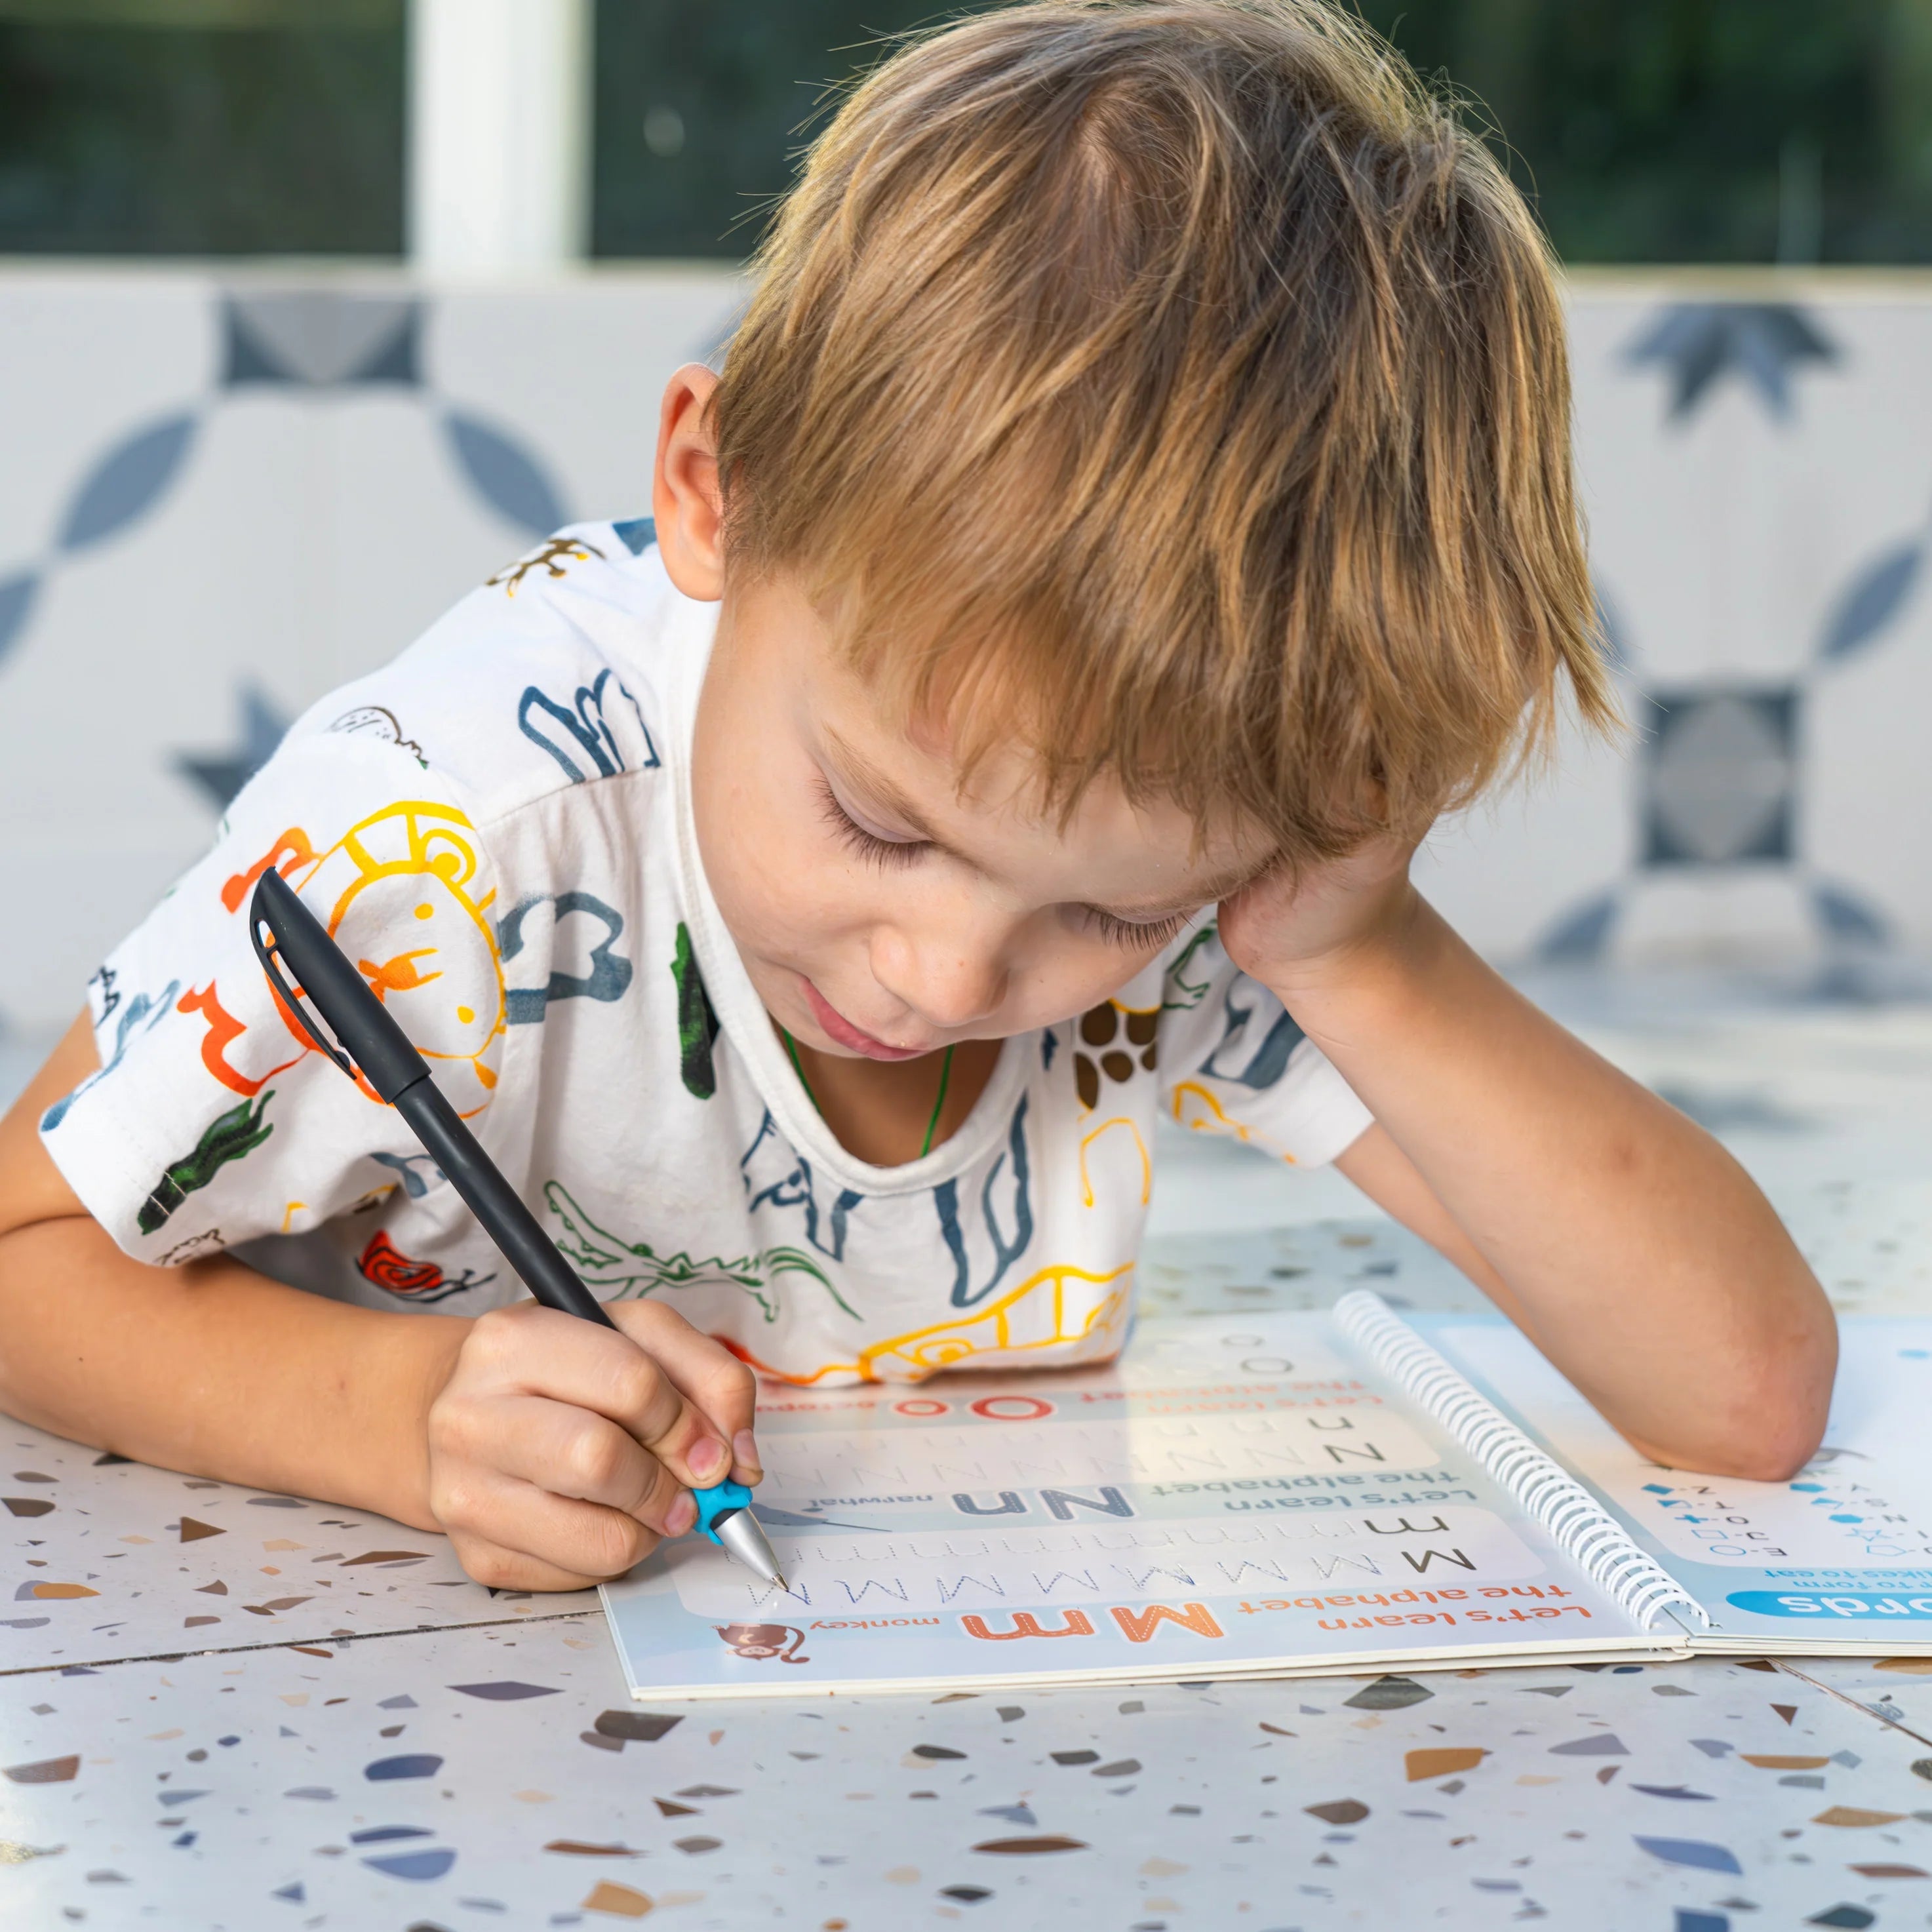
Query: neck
(881, 1111)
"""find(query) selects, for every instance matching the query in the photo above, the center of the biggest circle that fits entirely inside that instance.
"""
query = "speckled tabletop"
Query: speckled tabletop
(222, 1710)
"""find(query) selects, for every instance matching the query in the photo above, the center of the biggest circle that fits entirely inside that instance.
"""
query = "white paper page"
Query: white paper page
(1841, 1552)
(1235, 1495)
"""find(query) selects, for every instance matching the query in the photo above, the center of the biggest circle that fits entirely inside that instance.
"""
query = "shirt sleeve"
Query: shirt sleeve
(212, 1120)
(1233, 1062)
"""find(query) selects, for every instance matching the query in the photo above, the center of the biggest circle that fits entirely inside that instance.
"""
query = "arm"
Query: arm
(1622, 1239)
(553, 1452)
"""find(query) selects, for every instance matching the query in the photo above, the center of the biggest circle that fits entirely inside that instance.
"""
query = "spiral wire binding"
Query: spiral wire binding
(1593, 1539)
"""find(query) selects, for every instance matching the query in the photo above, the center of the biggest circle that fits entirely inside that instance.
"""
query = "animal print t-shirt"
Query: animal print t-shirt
(497, 828)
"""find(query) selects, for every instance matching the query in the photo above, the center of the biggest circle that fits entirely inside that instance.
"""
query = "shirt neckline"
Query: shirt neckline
(689, 630)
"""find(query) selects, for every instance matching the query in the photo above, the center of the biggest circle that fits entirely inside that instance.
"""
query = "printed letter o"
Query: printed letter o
(1012, 1408)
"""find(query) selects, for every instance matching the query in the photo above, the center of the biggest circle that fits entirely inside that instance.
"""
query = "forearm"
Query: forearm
(1623, 1240)
(214, 1370)
(553, 1452)
(211, 1369)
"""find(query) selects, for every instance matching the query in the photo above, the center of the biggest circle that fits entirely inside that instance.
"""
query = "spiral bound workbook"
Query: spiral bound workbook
(1836, 1560)
(1275, 1495)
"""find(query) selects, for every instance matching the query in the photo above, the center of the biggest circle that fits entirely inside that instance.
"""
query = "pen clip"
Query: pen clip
(259, 916)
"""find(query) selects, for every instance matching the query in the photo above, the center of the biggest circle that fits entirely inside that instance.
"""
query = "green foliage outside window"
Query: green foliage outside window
(1723, 130)
(1719, 131)
(201, 126)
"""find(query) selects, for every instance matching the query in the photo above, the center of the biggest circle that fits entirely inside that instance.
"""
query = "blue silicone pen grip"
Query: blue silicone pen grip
(719, 1500)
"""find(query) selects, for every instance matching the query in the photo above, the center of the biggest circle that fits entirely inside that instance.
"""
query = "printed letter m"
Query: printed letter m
(1026, 1624)
(1430, 1556)
(1140, 1625)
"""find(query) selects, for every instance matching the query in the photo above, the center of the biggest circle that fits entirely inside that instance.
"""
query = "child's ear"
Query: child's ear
(685, 502)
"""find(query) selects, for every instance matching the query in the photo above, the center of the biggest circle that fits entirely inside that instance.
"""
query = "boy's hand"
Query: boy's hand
(559, 1453)
(1293, 931)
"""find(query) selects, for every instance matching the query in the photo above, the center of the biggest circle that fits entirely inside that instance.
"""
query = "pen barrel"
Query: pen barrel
(506, 1219)
(388, 1061)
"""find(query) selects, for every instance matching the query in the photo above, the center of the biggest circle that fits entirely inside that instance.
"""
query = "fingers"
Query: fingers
(722, 1389)
(538, 1351)
(496, 1568)
(570, 1452)
(564, 1555)
(560, 1450)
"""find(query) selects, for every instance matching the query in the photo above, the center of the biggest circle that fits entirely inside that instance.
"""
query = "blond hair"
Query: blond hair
(1175, 385)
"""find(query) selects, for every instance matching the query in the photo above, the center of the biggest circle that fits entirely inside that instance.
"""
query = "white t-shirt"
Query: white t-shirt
(497, 828)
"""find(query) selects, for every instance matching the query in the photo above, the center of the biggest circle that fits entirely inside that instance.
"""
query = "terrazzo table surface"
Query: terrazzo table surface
(223, 1710)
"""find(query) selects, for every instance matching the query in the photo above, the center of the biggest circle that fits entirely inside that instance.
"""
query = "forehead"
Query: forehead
(997, 812)
(958, 758)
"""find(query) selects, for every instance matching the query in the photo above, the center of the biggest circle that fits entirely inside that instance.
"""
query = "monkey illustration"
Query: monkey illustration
(760, 1641)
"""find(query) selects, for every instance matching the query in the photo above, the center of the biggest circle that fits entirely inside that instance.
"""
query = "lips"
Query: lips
(839, 1028)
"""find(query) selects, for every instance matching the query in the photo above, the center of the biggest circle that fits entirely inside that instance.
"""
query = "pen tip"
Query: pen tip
(740, 1535)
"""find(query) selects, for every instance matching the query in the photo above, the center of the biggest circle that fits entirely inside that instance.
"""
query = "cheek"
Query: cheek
(781, 881)
(755, 877)
(760, 838)
(1064, 972)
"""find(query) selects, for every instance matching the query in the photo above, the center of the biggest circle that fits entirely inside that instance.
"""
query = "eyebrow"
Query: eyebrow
(860, 770)
(1209, 892)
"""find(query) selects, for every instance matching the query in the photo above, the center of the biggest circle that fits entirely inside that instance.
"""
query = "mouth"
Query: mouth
(839, 1027)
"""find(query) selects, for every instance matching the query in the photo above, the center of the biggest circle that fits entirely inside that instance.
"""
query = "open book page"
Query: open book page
(1839, 1556)
(1235, 1497)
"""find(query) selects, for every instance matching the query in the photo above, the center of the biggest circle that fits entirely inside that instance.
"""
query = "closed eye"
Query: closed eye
(1147, 935)
(883, 853)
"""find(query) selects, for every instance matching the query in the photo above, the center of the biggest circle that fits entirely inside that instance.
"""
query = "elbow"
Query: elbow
(1767, 1420)
(1773, 1453)
(1756, 1448)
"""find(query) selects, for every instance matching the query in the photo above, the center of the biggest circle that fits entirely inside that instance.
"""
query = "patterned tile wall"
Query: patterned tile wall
(1758, 475)
(219, 497)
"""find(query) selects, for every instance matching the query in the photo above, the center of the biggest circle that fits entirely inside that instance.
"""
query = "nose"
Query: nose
(952, 979)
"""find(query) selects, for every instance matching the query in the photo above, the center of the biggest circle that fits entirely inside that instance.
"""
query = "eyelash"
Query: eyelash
(888, 853)
(1152, 934)
(883, 853)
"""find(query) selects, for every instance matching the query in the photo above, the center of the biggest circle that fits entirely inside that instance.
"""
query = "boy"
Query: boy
(1138, 502)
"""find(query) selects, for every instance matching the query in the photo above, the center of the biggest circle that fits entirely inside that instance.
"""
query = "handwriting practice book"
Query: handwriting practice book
(1257, 1496)
(1838, 1559)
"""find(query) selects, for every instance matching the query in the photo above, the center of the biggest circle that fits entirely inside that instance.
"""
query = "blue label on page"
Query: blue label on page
(1848, 1604)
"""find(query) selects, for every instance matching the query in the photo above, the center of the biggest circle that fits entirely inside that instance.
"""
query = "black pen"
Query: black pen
(367, 1038)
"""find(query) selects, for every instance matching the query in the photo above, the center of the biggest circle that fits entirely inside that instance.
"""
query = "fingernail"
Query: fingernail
(682, 1514)
(745, 1448)
(708, 1460)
